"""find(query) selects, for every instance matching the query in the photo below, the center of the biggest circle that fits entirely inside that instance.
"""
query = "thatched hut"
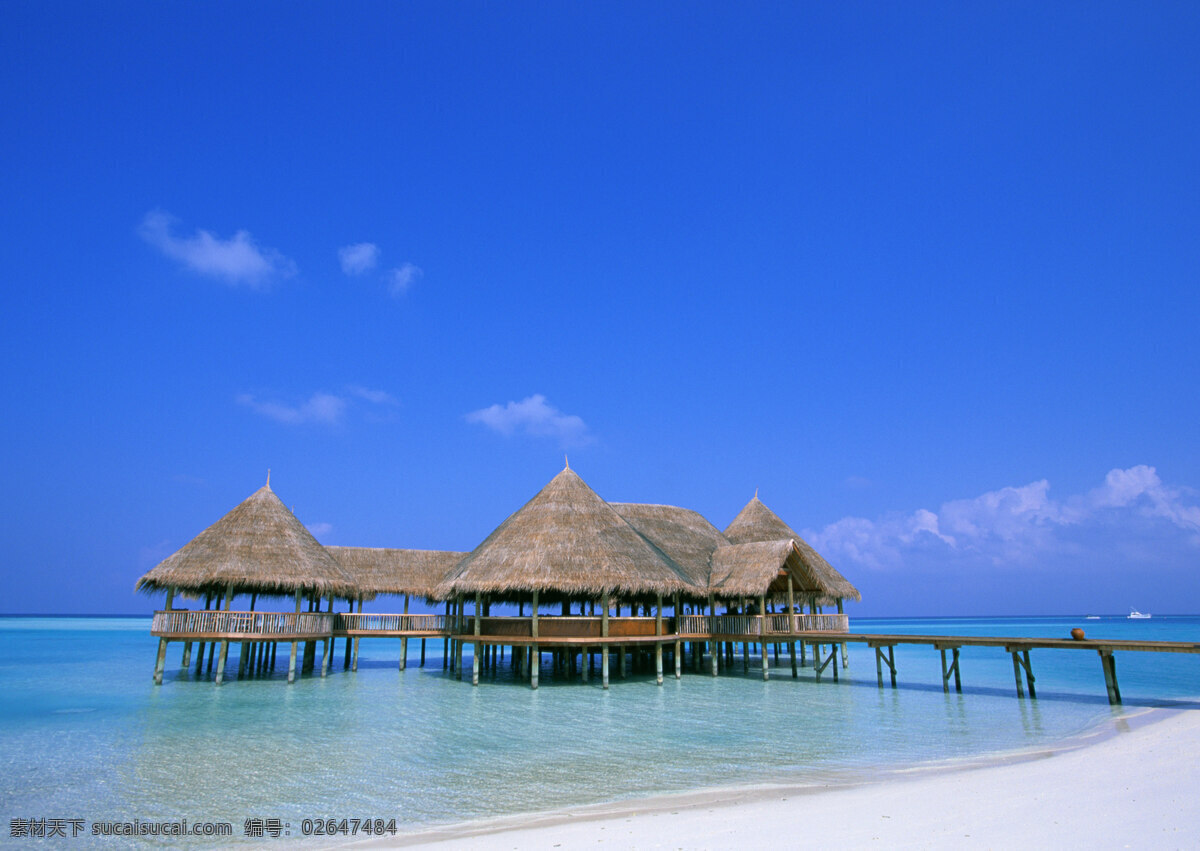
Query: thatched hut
(566, 544)
(257, 548)
(756, 524)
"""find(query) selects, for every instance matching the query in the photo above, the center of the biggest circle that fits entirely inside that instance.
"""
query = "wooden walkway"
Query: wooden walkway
(1018, 647)
(826, 636)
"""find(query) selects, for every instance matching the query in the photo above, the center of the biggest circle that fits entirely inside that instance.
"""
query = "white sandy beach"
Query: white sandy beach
(1132, 785)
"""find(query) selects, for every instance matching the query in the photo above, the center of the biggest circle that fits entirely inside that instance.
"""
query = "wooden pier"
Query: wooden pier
(819, 636)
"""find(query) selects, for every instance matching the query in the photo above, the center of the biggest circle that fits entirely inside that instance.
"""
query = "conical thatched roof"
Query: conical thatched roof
(748, 570)
(684, 535)
(565, 541)
(389, 571)
(259, 547)
(756, 523)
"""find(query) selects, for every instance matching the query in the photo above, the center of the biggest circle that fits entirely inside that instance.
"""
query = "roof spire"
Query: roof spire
(268, 477)
(755, 492)
(566, 462)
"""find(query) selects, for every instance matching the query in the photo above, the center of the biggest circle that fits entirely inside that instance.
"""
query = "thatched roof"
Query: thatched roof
(761, 568)
(388, 571)
(258, 547)
(756, 523)
(684, 535)
(565, 541)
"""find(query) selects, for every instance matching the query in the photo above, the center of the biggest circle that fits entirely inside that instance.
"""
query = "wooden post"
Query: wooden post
(161, 661)
(1017, 674)
(458, 645)
(947, 671)
(845, 652)
(658, 631)
(604, 603)
(292, 660)
(476, 648)
(535, 656)
(446, 640)
(678, 644)
(762, 634)
(791, 609)
(404, 625)
(349, 641)
(200, 649)
(328, 651)
(712, 631)
(1109, 662)
(354, 655)
(225, 643)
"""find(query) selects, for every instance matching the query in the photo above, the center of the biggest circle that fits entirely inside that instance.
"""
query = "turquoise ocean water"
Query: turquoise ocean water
(85, 734)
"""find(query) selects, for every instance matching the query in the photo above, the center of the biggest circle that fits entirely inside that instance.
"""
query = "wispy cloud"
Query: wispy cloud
(236, 261)
(319, 529)
(358, 259)
(532, 416)
(375, 397)
(1017, 525)
(320, 408)
(400, 279)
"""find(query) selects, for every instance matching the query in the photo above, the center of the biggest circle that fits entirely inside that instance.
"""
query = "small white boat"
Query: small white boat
(1092, 618)
(1134, 614)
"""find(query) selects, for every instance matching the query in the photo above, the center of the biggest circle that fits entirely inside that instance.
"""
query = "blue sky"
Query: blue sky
(924, 275)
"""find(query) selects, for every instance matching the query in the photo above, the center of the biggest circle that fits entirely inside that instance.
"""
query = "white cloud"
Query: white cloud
(319, 408)
(533, 416)
(376, 397)
(319, 529)
(1014, 525)
(358, 259)
(237, 260)
(400, 279)
(325, 408)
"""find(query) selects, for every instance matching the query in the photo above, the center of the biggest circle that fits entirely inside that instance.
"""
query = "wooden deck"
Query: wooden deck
(823, 634)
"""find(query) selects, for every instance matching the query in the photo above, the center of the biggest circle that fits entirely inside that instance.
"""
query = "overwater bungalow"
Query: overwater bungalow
(586, 579)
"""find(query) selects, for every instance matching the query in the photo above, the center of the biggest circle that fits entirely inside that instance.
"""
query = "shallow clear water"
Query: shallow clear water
(84, 733)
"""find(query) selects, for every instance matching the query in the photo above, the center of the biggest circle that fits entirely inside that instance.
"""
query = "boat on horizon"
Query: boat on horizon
(1091, 617)
(1134, 614)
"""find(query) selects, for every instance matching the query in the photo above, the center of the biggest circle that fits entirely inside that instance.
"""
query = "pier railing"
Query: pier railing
(274, 626)
(184, 624)
(754, 625)
(377, 624)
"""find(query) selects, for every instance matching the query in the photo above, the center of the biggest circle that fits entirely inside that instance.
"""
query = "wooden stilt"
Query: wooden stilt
(224, 644)
(292, 660)
(1109, 662)
(845, 653)
(712, 629)
(160, 662)
(274, 647)
(1017, 673)
(678, 644)
(791, 616)
(243, 659)
(762, 631)
(187, 655)
(535, 655)
(658, 631)
(605, 605)
(952, 669)
(327, 651)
